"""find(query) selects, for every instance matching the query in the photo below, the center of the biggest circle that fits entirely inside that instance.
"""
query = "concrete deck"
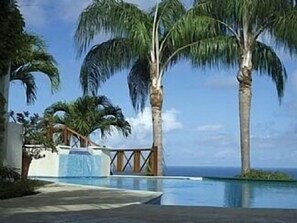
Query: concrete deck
(71, 204)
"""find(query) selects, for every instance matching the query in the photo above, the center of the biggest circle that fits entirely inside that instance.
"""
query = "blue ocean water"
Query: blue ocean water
(199, 171)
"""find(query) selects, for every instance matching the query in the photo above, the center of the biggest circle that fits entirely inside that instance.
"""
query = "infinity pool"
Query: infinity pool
(206, 192)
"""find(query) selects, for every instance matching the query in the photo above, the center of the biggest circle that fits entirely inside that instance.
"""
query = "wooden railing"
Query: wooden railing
(141, 161)
(68, 137)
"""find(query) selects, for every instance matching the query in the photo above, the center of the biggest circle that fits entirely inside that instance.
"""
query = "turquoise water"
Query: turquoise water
(207, 192)
(79, 165)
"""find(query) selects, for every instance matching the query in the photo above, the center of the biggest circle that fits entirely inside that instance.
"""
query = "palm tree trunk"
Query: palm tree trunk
(156, 101)
(4, 91)
(245, 93)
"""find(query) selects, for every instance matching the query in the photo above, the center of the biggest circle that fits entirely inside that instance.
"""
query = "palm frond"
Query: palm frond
(119, 18)
(266, 61)
(169, 11)
(59, 106)
(139, 82)
(221, 51)
(257, 14)
(188, 30)
(111, 118)
(33, 58)
(28, 80)
(103, 61)
(284, 29)
(88, 114)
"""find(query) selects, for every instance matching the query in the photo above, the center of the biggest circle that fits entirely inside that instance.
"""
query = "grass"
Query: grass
(265, 175)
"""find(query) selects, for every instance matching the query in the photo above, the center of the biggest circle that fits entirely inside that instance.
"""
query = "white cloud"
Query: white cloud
(206, 128)
(170, 121)
(142, 129)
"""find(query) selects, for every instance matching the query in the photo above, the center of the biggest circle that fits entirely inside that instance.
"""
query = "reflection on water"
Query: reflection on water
(263, 194)
(237, 194)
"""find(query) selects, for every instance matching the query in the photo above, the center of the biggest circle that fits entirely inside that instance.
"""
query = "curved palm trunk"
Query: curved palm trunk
(244, 78)
(156, 101)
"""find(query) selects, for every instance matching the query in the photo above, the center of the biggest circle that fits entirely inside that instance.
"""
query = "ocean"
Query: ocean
(196, 171)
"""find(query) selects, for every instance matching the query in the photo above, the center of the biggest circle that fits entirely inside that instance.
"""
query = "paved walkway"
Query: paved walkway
(75, 204)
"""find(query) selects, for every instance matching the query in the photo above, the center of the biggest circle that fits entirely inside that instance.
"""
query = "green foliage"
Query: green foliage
(35, 133)
(11, 184)
(15, 189)
(33, 57)
(265, 175)
(11, 28)
(164, 34)
(88, 114)
(8, 175)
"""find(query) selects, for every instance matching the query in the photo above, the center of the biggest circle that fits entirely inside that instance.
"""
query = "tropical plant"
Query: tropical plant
(33, 58)
(36, 138)
(145, 42)
(87, 115)
(265, 175)
(246, 22)
(35, 133)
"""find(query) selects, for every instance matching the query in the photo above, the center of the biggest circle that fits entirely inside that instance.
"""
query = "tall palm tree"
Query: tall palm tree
(33, 59)
(145, 42)
(89, 114)
(245, 22)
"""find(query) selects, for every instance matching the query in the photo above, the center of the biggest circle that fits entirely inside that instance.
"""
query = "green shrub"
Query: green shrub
(265, 175)
(8, 174)
(11, 184)
(15, 189)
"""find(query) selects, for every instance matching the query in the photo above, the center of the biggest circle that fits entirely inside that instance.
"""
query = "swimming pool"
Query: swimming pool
(203, 192)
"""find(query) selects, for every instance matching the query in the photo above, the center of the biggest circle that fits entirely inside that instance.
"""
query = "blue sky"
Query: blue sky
(201, 126)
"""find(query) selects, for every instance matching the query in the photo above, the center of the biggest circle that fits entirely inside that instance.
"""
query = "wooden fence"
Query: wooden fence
(134, 161)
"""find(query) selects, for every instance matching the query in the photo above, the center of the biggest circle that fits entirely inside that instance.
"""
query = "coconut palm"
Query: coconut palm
(89, 114)
(245, 23)
(145, 42)
(33, 59)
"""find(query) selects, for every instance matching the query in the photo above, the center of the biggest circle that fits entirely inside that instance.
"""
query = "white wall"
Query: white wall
(13, 153)
(49, 165)
(45, 167)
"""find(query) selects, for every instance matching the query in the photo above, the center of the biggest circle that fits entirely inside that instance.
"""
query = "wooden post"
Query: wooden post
(136, 166)
(65, 137)
(120, 161)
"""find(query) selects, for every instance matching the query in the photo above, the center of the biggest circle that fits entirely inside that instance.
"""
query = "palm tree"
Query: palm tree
(245, 22)
(32, 59)
(89, 114)
(11, 28)
(146, 43)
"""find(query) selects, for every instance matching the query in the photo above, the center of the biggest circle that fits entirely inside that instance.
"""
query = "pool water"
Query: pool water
(206, 192)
